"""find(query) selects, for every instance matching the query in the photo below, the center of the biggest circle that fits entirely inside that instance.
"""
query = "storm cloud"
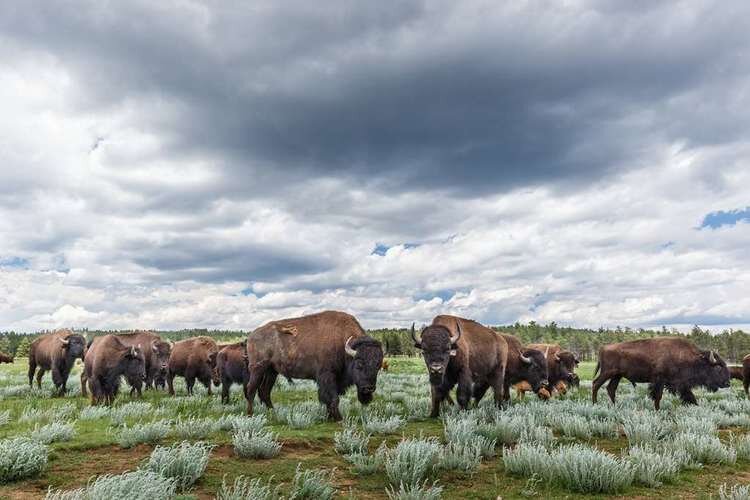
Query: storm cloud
(511, 162)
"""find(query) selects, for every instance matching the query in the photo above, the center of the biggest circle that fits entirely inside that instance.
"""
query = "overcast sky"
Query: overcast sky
(186, 164)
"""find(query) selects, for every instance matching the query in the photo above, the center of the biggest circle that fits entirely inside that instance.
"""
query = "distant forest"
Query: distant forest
(732, 345)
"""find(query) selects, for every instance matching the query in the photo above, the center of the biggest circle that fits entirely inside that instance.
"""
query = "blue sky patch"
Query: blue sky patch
(720, 218)
(16, 262)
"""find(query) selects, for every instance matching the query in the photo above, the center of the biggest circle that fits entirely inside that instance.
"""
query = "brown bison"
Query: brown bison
(156, 352)
(663, 362)
(462, 352)
(523, 387)
(329, 347)
(524, 364)
(231, 368)
(57, 352)
(193, 358)
(746, 373)
(108, 359)
(5, 358)
(561, 365)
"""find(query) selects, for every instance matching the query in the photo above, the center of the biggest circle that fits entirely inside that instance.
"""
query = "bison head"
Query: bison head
(565, 363)
(713, 370)
(438, 344)
(160, 352)
(533, 368)
(73, 345)
(135, 363)
(365, 358)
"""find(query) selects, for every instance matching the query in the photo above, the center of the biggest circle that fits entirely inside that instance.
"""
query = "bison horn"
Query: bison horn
(546, 351)
(154, 348)
(351, 352)
(525, 359)
(711, 357)
(63, 341)
(458, 333)
(417, 341)
(132, 351)
(557, 356)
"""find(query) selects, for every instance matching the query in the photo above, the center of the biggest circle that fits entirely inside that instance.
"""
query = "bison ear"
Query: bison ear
(287, 329)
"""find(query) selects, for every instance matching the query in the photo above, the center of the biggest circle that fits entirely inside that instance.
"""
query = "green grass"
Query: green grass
(94, 450)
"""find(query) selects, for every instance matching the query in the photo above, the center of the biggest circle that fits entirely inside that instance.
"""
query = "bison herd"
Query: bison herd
(333, 349)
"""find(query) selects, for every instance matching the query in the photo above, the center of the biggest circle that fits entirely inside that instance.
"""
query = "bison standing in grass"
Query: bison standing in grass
(561, 365)
(746, 373)
(193, 358)
(231, 368)
(329, 347)
(663, 362)
(5, 358)
(108, 359)
(156, 353)
(56, 352)
(462, 352)
(525, 364)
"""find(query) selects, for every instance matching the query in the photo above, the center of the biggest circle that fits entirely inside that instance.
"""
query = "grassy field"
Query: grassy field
(621, 450)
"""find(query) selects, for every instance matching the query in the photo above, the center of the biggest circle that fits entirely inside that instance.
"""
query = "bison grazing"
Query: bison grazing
(106, 361)
(231, 368)
(524, 364)
(193, 358)
(329, 347)
(663, 362)
(462, 352)
(57, 352)
(156, 353)
(561, 367)
(4, 358)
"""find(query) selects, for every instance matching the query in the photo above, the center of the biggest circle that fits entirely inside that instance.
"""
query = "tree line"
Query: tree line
(732, 345)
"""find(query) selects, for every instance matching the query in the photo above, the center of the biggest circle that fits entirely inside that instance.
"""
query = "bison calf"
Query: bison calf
(663, 362)
(56, 352)
(193, 358)
(106, 361)
(231, 368)
(329, 347)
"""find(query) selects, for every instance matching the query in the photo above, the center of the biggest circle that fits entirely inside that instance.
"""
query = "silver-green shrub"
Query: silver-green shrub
(736, 492)
(195, 428)
(138, 485)
(21, 458)
(245, 488)
(311, 485)
(258, 444)
(53, 432)
(652, 467)
(415, 492)
(411, 460)
(150, 433)
(184, 462)
(350, 441)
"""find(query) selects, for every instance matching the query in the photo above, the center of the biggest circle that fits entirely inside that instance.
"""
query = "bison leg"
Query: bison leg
(83, 384)
(655, 391)
(170, 383)
(612, 388)
(39, 376)
(59, 381)
(225, 385)
(596, 385)
(328, 395)
(257, 372)
(687, 396)
(206, 381)
(498, 387)
(437, 397)
(463, 392)
(266, 386)
(479, 392)
(746, 384)
(189, 383)
(32, 369)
